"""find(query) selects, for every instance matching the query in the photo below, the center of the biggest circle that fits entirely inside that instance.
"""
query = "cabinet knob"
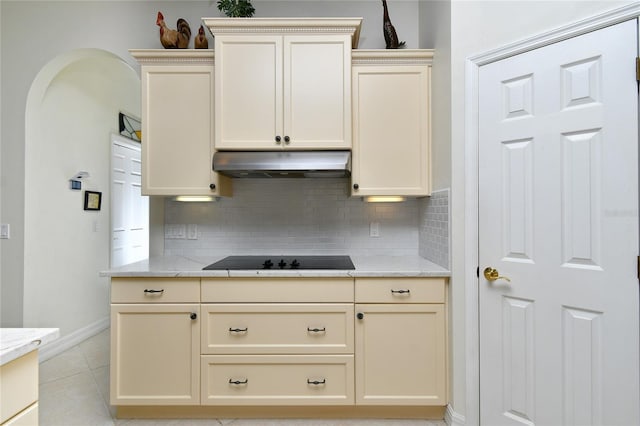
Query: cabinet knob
(278, 139)
(212, 186)
(193, 315)
(287, 139)
(360, 315)
(356, 186)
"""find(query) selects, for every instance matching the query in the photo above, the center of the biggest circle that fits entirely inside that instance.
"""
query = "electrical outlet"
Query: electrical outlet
(374, 229)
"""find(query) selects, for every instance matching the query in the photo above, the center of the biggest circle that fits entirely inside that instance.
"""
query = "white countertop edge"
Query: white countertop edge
(15, 342)
(366, 266)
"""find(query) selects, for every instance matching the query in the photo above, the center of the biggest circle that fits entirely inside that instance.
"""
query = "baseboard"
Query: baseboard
(60, 345)
(452, 418)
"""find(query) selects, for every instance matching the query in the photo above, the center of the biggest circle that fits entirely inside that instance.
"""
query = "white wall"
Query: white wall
(477, 27)
(71, 110)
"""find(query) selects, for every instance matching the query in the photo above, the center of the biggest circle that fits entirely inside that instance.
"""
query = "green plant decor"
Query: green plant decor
(236, 8)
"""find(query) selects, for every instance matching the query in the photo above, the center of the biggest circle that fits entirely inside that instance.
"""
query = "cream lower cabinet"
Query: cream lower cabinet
(400, 338)
(155, 342)
(19, 391)
(391, 122)
(269, 353)
(177, 123)
(280, 342)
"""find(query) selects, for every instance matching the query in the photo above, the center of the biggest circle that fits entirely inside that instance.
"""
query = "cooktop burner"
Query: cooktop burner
(236, 263)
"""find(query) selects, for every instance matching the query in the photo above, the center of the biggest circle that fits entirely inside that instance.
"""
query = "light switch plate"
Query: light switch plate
(192, 231)
(175, 231)
(374, 229)
(5, 231)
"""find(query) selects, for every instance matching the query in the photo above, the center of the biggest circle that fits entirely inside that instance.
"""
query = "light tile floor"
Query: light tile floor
(74, 390)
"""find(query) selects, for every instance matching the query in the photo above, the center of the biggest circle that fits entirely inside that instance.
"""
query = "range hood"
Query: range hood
(283, 164)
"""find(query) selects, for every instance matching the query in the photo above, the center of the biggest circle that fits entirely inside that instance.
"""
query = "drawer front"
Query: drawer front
(18, 385)
(400, 290)
(277, 290)
(277, 380)
(277, 328)
(155, 290)
(28, 417)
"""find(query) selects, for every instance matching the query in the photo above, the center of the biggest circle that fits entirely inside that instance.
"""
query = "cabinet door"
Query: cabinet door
(155, 354)
(177, 130)
(317, 92)
(248, 84)
(400, 354)
(391, 130)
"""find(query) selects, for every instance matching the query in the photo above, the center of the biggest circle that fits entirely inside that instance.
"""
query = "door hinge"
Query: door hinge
(478, 269)
(637, 68)
(638, 268)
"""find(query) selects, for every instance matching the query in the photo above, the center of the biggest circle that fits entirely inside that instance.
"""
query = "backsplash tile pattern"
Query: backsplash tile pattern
(434, 228)
(300, 216)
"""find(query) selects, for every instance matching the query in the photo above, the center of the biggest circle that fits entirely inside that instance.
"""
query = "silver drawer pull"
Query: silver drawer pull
(238, 382)
(316, 330)
(238, 330)
(151, 291)
(316, 382)
(400, 291)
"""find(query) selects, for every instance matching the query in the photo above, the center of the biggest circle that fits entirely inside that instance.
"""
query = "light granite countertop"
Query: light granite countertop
(365, 266)
(15, 342)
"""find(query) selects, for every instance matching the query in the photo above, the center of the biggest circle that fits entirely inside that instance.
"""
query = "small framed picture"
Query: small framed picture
(92, 200)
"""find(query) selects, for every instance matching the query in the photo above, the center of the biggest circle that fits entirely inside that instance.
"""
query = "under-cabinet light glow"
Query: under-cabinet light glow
(195, 198)
(384, 199)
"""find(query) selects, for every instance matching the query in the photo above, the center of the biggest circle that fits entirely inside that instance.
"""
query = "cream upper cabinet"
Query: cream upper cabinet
(283, 83)
(400, 341)
(391, 122)
(177, 124)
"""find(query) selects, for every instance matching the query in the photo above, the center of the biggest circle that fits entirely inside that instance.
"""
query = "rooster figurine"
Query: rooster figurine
(174, 39)
(200, 42)
(390, 36)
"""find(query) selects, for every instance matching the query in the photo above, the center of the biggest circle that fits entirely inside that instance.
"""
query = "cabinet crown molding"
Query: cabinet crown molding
(177, 56)
(349, 26)
(392, 56)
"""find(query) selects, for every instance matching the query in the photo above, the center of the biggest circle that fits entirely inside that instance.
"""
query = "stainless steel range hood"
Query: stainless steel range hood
(283, 164)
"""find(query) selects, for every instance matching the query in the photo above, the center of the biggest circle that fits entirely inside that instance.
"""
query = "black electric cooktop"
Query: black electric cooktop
(237, 263)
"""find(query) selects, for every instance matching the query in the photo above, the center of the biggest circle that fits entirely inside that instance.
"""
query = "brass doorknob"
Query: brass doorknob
(492, 274)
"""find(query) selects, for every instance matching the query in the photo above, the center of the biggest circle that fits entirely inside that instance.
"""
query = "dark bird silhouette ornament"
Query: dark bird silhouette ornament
(390, 36)
(200, 42)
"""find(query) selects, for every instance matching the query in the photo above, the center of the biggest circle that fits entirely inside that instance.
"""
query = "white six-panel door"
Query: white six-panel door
(129, 208)
(558, 216)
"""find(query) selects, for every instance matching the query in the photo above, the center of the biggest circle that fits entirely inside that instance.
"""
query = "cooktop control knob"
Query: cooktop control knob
(267, 264)
(282, 264)
(295, 264)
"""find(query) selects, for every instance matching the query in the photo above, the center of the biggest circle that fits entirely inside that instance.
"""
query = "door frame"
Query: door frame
(471, 249)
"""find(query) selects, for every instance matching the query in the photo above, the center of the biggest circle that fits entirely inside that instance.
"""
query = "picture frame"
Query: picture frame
(92, 200)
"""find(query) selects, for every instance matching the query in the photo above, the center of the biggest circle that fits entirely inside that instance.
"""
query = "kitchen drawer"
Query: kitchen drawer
(155, 290)
(277, 328)
(27, 417)
(400, 290)
(18, 385)
(277, 380)
(277, 290)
